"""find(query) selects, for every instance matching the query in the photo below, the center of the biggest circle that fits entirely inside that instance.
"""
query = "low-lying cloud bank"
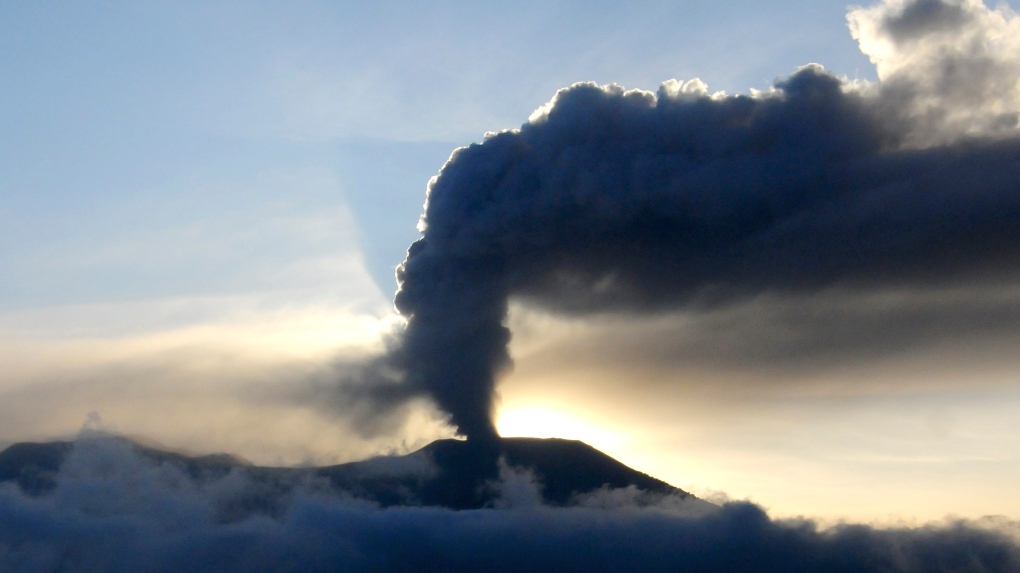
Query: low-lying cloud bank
(251, 376)
(114, 511)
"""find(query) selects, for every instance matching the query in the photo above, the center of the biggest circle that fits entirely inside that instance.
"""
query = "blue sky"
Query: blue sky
(226, 187)
(124, 123)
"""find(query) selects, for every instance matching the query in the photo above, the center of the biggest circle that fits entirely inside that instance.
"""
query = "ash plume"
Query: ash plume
(639, 202)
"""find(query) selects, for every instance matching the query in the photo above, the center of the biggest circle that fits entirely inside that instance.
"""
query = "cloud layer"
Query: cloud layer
(113, 511)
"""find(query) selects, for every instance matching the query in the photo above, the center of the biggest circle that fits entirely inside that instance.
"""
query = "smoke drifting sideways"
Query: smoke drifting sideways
(609, 200)
(113, 510)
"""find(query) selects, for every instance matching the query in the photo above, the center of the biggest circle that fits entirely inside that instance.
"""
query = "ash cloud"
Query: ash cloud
(794, 338)
(115, 511)
(638, 203)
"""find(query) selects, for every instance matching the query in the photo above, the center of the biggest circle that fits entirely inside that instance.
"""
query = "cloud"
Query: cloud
(243, 374)
(639, 203)
(790, 339)
(113, 511)
(947, 68)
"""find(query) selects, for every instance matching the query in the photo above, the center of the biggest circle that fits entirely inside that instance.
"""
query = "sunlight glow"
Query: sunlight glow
(536, 422)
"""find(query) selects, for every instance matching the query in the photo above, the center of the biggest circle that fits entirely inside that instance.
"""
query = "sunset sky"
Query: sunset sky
(202, 205)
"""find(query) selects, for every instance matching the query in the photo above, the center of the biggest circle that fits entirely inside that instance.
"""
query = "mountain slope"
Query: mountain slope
(448, 473)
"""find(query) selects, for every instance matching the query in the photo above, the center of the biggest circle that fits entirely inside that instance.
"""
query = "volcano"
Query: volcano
(448, 473)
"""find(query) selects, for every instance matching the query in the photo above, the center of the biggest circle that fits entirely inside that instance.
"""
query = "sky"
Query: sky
(202, 206)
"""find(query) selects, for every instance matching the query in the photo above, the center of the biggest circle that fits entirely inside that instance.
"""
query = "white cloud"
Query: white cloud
(950, 67)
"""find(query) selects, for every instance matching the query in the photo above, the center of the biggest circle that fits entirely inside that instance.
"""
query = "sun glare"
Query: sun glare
(549, 423)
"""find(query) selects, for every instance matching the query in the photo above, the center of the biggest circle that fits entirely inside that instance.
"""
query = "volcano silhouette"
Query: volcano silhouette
(448, 473)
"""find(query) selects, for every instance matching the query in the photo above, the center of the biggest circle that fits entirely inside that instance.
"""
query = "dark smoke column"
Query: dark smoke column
(454, 288)
(455, 343)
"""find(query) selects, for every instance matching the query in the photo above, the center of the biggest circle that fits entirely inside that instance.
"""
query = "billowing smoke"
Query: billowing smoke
(639, 202)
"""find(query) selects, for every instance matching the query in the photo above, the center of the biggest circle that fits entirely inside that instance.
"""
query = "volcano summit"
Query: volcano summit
(447, 473)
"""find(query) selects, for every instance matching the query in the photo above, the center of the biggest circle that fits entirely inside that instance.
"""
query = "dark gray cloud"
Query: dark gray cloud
(113, 511)
(639, 203)
(789, 337)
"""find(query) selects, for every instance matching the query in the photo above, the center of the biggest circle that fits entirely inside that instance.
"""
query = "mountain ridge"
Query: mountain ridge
(449, 473)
